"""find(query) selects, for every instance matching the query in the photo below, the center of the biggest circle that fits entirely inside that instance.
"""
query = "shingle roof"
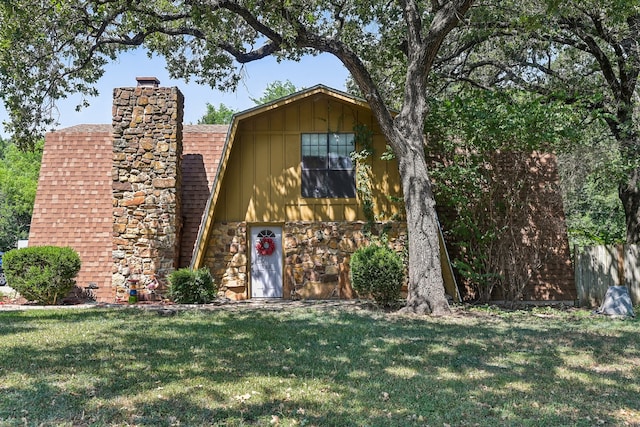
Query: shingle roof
(73, 201)
(201, 153)
(73, 204)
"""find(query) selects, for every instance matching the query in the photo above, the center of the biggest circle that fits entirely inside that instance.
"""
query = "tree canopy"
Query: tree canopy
(275, 90)
(474, 134)
(583, 53)
(223, 114)
(18, 182)
(217, 116)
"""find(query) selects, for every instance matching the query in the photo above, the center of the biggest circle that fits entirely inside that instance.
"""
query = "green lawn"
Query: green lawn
(322, 367)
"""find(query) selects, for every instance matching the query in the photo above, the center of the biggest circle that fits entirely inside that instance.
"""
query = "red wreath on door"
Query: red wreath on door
(265, 246)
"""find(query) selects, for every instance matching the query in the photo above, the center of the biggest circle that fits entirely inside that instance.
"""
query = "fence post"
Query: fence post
(580, 282)
(632, 272)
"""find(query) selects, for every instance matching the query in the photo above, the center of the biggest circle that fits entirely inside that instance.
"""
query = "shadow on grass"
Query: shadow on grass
(114, 367)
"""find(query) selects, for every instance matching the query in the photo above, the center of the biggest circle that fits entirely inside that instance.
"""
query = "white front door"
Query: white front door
(266, 262)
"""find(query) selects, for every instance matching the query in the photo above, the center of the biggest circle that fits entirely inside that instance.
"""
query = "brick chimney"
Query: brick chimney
(147, 150)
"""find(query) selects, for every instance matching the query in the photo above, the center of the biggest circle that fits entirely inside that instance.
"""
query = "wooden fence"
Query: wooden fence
(598, 267)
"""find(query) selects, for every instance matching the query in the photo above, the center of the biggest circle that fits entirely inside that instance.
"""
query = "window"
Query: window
(266, 233)
(327, 168)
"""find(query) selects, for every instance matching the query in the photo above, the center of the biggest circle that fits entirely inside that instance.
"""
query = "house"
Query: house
(268, 203)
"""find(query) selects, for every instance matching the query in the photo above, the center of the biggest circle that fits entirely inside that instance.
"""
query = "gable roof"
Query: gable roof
(208, 217)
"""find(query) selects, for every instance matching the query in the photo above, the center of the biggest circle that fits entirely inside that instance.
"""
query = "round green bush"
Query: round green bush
(377, 271)
(43, 274)
(187, 286)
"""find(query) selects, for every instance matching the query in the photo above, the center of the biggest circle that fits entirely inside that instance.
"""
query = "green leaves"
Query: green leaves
(362, 160)
(217, 116)
(377, 271)
(45, 274)
(46, 52)
(589, 174)
(481, 142)
(18, 183)
(275, 90)
(493, 120)
(187, 286)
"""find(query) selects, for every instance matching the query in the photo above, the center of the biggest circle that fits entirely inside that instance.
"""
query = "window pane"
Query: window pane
(341, 184)
(314, 151)
(314, 183)
(341, 145)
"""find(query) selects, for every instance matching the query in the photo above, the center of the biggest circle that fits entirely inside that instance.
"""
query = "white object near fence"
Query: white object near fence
(599, 267)
(617, 302)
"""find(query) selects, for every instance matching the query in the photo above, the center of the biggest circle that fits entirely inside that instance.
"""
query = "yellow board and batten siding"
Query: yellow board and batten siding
(262, 182)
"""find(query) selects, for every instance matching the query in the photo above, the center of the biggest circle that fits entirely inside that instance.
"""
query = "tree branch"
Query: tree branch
(413, 21)
(575, 25)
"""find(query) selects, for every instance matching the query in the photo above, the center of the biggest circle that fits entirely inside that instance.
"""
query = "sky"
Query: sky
(310, 71)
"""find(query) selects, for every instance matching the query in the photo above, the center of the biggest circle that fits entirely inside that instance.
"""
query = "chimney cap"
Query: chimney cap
(148, 81)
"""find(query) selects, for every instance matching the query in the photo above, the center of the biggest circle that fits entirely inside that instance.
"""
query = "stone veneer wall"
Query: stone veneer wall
(316, 256)
(147, 148)
(227, 258)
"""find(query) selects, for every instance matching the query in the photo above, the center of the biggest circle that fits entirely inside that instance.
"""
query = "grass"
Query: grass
(328, 367)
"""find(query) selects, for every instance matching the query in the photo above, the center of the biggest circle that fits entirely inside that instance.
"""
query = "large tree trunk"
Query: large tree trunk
(426, 286)
(623, 129)
(404, 133)
(630, 196)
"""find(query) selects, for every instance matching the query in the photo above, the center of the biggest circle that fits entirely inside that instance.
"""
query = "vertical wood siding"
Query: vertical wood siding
(263, 178)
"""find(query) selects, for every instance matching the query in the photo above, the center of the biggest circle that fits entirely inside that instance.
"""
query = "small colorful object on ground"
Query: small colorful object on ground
(133, 291)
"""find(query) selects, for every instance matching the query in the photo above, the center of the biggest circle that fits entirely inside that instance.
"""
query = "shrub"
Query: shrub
(377, 271)
(187, 286)
(42, 273)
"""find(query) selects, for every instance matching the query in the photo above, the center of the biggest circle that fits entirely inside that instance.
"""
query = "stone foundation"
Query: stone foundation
(316, 256)
(228, 260)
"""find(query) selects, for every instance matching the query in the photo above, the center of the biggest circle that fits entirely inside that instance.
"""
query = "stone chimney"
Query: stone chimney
(147, 150)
